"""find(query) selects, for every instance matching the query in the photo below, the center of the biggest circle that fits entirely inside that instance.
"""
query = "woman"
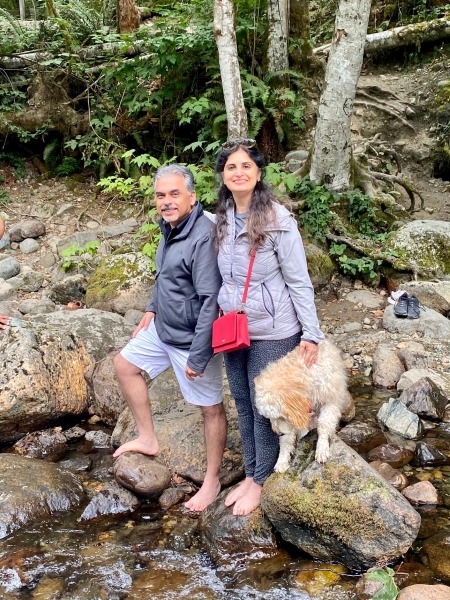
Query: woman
(280, 305)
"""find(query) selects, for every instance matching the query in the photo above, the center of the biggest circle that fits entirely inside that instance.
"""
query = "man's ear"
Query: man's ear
(193, 198)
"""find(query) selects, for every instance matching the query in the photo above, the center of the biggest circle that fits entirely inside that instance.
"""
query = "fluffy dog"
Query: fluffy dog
(287, 391)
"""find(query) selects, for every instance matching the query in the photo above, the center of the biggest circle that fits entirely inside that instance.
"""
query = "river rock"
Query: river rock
(395, 417)
(100, 331)
(121, 282)
(430, 324)
(410, 377)
(69, 289)
(422, 247)
(392, 476)
(432, 294)
(425, 592)
(142, 474)
(29, 245)
(367, 299)
(49, 443)
(48, 489)
(228, 539)
(9, 267)
(396, 456)
(111, 500)
(26, 229)
(426, 455)
(108, 402)
(41, 379)
(361, 436)
(436, 554)
(34, 306)
(412, 573)
(422, 492)
(387, 367)
(342, 511)
(426, 399)
(81, 464)
(171, 496)
(320, 266)
(30, 281)
(367, 588)
(74, 433)
(414, 356)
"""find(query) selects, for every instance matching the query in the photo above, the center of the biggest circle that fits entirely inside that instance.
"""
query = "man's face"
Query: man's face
(174, 202)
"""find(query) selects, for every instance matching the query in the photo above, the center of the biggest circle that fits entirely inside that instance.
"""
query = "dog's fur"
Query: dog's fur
(287, 390)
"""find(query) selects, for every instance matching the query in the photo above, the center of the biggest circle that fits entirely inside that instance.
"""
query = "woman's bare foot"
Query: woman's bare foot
(248, 503)
(205, 495)
(143, 445)
(238, 491)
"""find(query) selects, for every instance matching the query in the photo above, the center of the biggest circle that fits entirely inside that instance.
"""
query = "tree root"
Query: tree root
(406, 185)
(388, 111)
(361, 248)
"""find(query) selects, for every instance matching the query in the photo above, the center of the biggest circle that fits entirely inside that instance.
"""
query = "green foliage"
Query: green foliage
(74, 250)
(15, 161)
(317, 217)
(389, 591)
(4, 197)
(153, 234)
(363, 266)
(69, 166)
(361, 211)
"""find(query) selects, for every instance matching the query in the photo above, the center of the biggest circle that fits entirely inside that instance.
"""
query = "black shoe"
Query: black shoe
(413, 308)
(401, 306)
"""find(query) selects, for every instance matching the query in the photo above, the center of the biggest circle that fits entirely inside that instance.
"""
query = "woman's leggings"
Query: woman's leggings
(261, 445)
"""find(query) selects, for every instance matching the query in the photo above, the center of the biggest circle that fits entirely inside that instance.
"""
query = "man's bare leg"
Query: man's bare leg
(215, 424)
(135, 391)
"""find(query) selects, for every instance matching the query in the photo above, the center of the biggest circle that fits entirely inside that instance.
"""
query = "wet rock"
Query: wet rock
(108, 401)
(342, 511)
(48, 588)
(9, 267)
(387, 367)
(395, 417)
(30, 281)
(41, 380)
(100, 331)
(362, 436)
(315, 577)
(435, 295)
(412, 573)
(49, 444)
(426, 455)
(425, 399)
(393, 476)
(80, 239)
(446, 417)
(320, 266)
(33, 306)
(98, 439)
(367, 299)
(77, 465)
(183, 536)
(367, 588)
(69, 289)
(431, 324)
(436, 554)
(121, 282)
(229, 539)
(26, 229)
(111, 500)
(142, 474)
(422, 492)
(19, 569)
(171, 497)
(48, 489)
(29, 245)
(103, 468)
(425, 592)
(396, 456)
(74, 433)
(434, 519)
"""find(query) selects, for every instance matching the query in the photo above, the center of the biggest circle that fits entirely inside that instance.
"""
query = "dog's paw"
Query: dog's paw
(322, 451)
(281, 467)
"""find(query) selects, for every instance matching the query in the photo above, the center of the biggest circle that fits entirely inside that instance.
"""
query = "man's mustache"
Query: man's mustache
(168, 207)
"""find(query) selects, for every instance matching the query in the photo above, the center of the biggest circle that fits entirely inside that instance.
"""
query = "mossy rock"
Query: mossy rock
(320, 266)
(121, 282)
(342, 511)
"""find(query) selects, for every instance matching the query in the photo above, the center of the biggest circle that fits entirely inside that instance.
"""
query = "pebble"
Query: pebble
(29, 245)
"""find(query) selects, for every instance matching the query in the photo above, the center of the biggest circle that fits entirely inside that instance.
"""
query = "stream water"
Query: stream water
(155, 555)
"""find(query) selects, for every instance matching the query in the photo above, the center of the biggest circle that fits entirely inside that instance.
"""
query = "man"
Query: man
(176, 328)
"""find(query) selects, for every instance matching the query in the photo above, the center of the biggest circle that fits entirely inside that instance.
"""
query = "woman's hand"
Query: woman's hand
(308, 351)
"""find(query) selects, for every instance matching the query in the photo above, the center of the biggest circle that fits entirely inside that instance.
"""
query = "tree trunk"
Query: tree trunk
(331, 158)
(229, 68)
(277, 41)
(128, 17)
(414, 34)
(22, 10)
(300, 32)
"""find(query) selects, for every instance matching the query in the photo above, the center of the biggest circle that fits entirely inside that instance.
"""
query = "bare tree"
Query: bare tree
(128, 17)
(331, 156)
(229, 68)
(300, 32)
(22, 10)
(277, 41)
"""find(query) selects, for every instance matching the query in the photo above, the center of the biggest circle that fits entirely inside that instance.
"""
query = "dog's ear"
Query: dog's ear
(296, 410)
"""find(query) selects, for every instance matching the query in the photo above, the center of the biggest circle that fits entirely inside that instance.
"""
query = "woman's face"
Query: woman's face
(240, 173)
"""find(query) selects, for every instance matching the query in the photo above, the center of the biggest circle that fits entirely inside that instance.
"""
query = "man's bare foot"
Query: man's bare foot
(205, 495)
(238, 491)
(248, 503)
(142, 445)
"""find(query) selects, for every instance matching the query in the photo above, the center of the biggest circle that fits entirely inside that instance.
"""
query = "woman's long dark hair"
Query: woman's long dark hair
(260, 210)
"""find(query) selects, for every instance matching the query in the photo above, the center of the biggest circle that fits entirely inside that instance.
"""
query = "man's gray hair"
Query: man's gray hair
(175, 169)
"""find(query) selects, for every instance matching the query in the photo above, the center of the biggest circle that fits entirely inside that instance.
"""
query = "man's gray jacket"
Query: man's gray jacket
(186, 287)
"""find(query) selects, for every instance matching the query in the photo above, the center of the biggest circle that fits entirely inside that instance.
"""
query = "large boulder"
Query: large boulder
(320, 266)
(431, 324)
(49, 489)
(341, 511)
(121, 282)
(432, 294)
(99, 330)
(41, 379)
(108, 402)
(422, 247)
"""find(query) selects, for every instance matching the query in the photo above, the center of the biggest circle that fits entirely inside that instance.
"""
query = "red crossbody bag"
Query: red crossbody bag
(230, 332)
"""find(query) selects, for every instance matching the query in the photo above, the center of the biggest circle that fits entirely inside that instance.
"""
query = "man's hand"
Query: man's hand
(4, 321)
(191, 374)
(308, 351)
(145, 323)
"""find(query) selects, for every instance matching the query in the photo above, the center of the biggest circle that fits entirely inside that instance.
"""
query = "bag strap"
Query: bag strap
(249, 274)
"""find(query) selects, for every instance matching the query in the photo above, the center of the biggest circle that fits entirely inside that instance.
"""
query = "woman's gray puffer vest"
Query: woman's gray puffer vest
(280, 300)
